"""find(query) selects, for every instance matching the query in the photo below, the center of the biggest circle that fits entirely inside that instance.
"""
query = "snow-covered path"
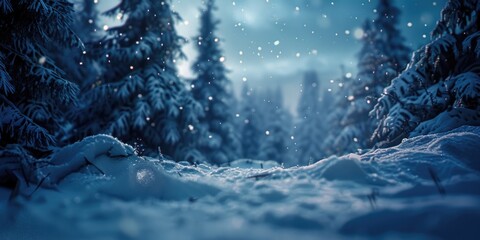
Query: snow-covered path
(428, 187)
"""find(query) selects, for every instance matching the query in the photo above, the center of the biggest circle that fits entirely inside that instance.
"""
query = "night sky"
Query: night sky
(270, 43)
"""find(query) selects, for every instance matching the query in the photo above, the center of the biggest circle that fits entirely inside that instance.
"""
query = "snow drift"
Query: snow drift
(427, 187)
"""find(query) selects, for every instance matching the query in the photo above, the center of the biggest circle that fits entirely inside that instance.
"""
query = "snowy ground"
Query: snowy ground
(426, 188)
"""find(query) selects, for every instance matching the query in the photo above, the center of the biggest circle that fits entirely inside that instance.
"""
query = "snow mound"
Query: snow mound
(425, 188)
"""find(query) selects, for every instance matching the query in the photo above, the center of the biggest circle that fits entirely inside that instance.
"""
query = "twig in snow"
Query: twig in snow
(38, 185)
(24, 176)
(91, 163)
(261, 175)
(437, 181)
(372, 198)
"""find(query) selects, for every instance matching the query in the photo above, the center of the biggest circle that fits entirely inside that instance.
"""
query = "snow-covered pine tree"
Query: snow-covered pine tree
(440, 89)
(141, 99)
(382, 57)
(335, 103)
(277, 144)
(77, 62)
(33, 91)
(86, 24)
(355, 124)
(250, 124)
(389, 40)
(309, 131)
(213, 90)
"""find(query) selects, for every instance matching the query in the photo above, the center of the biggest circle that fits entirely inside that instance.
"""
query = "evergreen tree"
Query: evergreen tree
(33, 91)
(382, 57)
(86, 25)
(78, 63)
(327, 110)
(141, 99)
(250, 124)
(276, 144)
(440, 89)
(389, 40)
(355, 124)
(309, 131)
(335, 103)
(212, 89)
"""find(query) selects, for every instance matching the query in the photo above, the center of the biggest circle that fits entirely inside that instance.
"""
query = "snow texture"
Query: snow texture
(425, 188)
